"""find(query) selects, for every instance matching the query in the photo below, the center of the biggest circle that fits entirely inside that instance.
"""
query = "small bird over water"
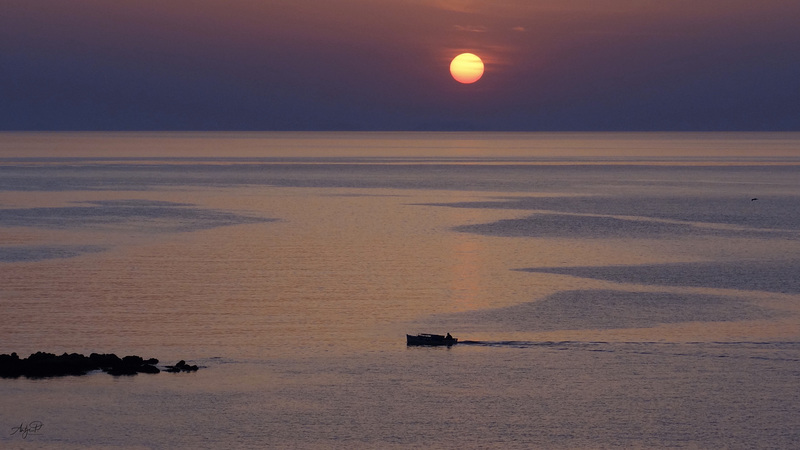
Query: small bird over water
(753, 199)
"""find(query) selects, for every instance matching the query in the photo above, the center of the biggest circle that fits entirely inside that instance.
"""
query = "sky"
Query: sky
(550, 65)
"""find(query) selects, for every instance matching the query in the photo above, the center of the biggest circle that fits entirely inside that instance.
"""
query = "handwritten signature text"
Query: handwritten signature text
(23, 429)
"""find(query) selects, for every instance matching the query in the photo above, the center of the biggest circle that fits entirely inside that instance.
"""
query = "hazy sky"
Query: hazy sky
(383, 64)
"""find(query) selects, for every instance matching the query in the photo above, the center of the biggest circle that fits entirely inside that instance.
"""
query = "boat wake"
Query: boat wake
(525, 344)
(777, 351)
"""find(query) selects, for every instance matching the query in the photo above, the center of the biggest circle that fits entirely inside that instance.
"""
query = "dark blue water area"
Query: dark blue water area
(607, 309)
(144, 215)
(80, 175)
(767, 276)
(643, 216)
(58, 174)
(777, 351)
(585, 227)
(33, 253)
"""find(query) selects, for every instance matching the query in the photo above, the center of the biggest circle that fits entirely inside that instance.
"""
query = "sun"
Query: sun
(466, 68)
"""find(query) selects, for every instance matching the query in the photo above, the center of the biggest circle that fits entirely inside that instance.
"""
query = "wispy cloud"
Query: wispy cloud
(471, 28)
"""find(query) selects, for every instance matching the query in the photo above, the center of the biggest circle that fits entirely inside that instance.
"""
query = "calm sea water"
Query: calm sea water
(610, 290)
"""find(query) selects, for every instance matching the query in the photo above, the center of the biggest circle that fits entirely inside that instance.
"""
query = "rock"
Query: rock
(133, 360)
(41, 365)
(148, 368)
(131, 365)
(45, 365)
(181, 366)
(10, 366)
(105, 361)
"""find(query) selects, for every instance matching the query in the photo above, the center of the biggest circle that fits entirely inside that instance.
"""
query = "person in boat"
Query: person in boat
(448, 337)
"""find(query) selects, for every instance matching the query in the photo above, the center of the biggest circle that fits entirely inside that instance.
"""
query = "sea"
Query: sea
(608, 290)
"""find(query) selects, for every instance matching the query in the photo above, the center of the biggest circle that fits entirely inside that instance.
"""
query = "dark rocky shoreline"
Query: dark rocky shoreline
(45, 365)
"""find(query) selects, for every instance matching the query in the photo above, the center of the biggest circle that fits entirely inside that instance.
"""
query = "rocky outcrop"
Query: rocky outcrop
(43, 365)
(181, 367)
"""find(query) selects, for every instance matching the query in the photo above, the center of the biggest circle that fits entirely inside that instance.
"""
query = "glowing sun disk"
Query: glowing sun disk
(466, 68)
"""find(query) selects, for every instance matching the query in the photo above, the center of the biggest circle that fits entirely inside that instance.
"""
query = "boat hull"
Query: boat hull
(430, 340)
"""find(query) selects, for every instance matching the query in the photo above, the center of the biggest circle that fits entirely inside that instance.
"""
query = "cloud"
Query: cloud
(471, 28)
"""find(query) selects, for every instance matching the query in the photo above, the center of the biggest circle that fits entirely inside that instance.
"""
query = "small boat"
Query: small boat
(430, 339)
